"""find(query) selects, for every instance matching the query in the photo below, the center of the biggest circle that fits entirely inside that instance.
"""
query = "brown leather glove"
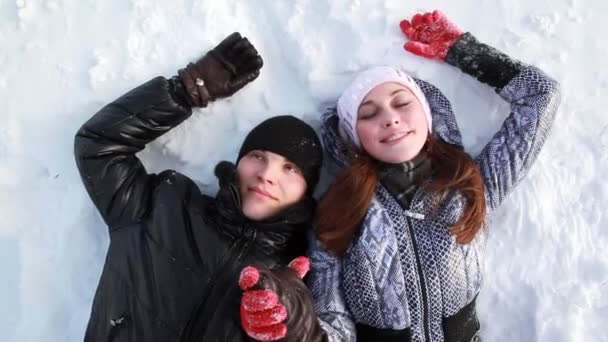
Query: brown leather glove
(277, 305)
(222, 71)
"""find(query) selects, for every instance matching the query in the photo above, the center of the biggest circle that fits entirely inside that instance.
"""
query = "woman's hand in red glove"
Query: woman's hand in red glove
(263, 316)
(431, 34)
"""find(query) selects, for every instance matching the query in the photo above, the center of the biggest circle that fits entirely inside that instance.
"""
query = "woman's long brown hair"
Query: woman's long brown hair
(343, 207)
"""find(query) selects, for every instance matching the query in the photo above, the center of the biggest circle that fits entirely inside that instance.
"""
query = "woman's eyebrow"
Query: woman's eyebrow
(370, 101)
(396, 91)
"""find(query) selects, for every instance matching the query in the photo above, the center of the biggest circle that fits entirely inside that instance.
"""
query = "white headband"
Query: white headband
(351, 98)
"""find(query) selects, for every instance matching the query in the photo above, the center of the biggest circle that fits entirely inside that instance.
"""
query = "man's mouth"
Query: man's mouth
(262, 193)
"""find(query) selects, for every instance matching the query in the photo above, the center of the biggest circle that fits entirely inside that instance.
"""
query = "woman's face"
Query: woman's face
(268, 183)
(391, 123)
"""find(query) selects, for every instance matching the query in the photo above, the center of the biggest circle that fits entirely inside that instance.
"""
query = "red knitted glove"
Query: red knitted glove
(262, 315)
(431, 34)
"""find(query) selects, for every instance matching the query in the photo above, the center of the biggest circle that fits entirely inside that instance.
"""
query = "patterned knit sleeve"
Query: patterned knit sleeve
(534, 99)
(324, 282)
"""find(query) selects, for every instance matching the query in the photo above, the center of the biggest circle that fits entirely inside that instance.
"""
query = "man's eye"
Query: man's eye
(292, 168)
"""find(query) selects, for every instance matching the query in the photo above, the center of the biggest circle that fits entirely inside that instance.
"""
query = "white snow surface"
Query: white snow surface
(61, 60)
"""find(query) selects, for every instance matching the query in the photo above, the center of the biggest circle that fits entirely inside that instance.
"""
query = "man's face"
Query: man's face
(269, 183)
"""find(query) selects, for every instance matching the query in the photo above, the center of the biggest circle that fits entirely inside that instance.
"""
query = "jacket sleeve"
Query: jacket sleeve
(534, 98)
(325, 284)
(105, 148)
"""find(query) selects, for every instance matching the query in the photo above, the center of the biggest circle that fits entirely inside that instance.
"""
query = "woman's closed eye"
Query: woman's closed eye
(367, 115)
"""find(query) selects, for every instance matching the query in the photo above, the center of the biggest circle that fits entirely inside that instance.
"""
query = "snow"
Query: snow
(547, 261)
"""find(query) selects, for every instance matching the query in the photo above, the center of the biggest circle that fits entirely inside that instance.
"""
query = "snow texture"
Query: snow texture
(546, 273)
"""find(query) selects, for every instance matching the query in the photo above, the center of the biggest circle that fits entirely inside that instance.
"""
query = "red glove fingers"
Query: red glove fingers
(261, 312)
(437, 15)
(301, 265)
(420, 49)
(262, 315)
(407, 29)
(431, 34)
(265, 318)
(248, 278)
(259, 300)
(417, 21)
(427, 18)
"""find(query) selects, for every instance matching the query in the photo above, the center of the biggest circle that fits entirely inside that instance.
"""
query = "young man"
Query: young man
(172, 268)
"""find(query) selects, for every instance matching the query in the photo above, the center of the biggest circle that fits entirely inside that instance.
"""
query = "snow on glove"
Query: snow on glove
(431, 34)
(222, 71)
(276, 304)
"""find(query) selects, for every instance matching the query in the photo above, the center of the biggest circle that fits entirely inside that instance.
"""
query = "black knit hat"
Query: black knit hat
(293, 139)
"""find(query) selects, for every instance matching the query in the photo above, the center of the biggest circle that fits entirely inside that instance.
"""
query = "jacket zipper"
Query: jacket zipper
(241, 244)
(425, 316)
(227, 257)
(209, 288)
(116, 326)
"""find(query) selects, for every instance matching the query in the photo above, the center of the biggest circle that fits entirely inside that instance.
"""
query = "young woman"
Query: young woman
(399, 238)
(400, 234)
(172, 266)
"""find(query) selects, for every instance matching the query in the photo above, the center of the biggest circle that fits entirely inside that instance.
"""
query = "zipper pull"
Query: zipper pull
(249, 232)
(118, 321)
(413, 214)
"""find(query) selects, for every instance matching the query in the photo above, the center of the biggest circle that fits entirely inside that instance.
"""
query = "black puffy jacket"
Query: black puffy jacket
(171, 271)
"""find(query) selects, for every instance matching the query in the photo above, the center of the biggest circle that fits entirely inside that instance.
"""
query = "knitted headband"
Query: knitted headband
(364, 82)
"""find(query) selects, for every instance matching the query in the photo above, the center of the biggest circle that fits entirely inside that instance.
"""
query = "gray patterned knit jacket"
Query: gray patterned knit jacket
(404, 277)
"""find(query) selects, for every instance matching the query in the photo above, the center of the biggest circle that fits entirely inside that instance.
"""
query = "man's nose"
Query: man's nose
(267, 174)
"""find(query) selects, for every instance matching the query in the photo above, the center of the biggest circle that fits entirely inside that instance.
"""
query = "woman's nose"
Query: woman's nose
(392, 119)
(391, 123)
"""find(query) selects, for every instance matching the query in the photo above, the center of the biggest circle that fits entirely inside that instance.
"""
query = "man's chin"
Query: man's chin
(257, 213)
